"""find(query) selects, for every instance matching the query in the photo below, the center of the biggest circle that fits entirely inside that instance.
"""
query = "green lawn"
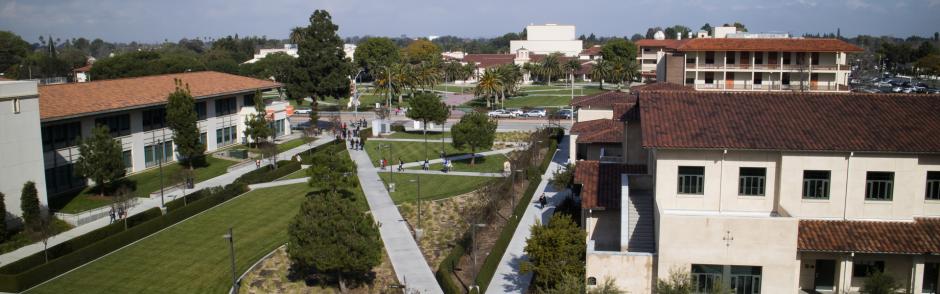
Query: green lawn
(433, 187)
(577, 92)
(192, 257)
(295, 175)
(488, 164)
(146, 182)
(418, 135)
(452, 88)
(410, 151)
(290, 144)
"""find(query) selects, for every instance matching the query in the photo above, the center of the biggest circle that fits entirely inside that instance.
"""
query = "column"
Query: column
(917, 275)
(844, 278)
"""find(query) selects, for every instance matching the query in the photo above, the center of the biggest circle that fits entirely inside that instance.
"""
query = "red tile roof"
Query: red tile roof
(662, 86)
(668, 43)
(489, 60)
(778, 44)
(922, 236)
(791, 121)
(598, 131)
(75, 99)
(85, 68)
(593, 50)
(603, 100)
(600, 182)
(626, 112)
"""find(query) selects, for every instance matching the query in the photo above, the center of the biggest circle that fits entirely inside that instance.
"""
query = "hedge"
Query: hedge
(31, 271)
(488, 269)
(445, 271)
(269, 173)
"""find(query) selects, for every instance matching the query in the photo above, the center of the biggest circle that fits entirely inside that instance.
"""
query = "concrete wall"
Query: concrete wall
(721, 181)
(585, 114)
(550, 32)
(20, 143)
(634, 153)
(570, 48)
(633, 273)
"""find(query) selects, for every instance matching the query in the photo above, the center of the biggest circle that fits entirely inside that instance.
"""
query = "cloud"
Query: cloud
(857, 4)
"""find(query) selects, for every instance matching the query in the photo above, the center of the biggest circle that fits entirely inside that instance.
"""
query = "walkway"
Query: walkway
(410, 267)
(508, 277)
(452, 173)
(461, 157)
(148, 203)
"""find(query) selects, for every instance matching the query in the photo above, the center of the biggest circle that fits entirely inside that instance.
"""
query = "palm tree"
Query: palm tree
(550, 67)
(391, 80)
(570, 67)
(489, 85)
(510, 76)
(297, 35)
(532, 69)
(624, 71)
(601, 70)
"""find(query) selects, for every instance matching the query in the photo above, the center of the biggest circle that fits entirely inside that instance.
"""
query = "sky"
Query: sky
(154, 21)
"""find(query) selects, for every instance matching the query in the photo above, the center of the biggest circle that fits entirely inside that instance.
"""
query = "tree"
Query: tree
(322, 69)
(489, 85)
(619, 50)
(626, 70)
(331, 172)
(608, 287)
(100, 158)
(374, 53)
(679, 282)
(569, 283)
(570, 67)
(329, 235)
(256, 125)
(880, 283)
(555, 250)
(29, 204)
(421, 51)
(181, 119)
(13, 50)
(475, 130)
(427, 107)
(601, 70)
(550, 67)
(930, 64)
(707, 27)
(740, 27)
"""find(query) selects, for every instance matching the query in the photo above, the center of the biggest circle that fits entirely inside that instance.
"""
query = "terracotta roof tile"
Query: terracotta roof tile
(668, 43)
(626, 112)
(600, 182)
(603, 100)
(598, 131)
(489, 60)
(69, 100)
(917, 237)
(662, 86)
(791, 121)
(775, 44)
(593, 50)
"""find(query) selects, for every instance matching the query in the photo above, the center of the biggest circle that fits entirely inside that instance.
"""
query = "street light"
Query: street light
(231, 244)
(418, 230)
(473, 253)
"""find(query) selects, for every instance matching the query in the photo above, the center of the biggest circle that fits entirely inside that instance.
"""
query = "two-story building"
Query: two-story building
(770, 193)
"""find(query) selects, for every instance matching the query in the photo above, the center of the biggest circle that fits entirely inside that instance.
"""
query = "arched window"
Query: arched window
(592, 281)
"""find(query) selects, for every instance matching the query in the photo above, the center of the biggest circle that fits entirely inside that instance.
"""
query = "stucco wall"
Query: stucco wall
(586, 114)
(631, 273)
(720, 192)
(20, 144)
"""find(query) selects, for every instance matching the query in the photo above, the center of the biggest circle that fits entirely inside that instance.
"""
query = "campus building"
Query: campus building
(748, 62)
(134, 111)
(20, 143)
(761, 192)
(548, 39)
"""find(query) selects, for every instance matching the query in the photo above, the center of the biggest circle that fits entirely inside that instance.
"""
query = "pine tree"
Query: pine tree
(181, 118)
(100, 159)
(256, 125)
(475, 130)
(29, 203)
(330, 236)
(322, 69)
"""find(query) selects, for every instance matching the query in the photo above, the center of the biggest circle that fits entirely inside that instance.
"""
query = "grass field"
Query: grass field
(433, 187)
(418, 135)
(410, 151)
(192, 257)
(488, 164)
(295, 175)
(146, 182)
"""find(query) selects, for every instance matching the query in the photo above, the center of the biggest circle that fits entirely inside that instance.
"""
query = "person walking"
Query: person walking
(112, 214)
(427, 165)
(401, 165)
(542, 200)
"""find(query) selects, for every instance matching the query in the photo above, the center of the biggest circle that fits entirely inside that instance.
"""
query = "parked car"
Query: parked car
(564, 114)
(515, 112)
(499, 113)
(535, 113)
(302, 111)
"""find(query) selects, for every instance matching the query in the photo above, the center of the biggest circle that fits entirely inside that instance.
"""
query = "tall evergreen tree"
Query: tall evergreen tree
(181, 118)
(322, 69)
(29, 203)
(100, 158)
(475, 130)
(427, 107)
(256, 125)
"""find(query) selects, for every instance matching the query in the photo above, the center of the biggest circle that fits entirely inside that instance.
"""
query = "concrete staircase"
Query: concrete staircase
(640, 217)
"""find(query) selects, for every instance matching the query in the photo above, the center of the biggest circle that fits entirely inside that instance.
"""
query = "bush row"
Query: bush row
(445, 271)
(269, 173)
(32, 270)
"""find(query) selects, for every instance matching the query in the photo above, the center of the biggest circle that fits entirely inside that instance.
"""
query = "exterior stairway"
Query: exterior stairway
(641, 222)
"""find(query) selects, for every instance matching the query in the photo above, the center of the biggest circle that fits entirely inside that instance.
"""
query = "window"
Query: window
(709, 78)
(158, 153)
(772, 57)
(816, 184)
(879, 186)
(745, 58)
(689, 59)
(705, 277)
(815, 58)
(786, 57)
(758, 57)
(786, 79)
(864, 268)
(16, 106)
(118, 125)
(128, 160)
(751, 181)
(203, 138)
(200, 110)
(61, 136)
(745, 279)
(226, 136)
(691, 180)
(709, 57)
(592, 281)
(154, 119)
(62, 178)
(225, 106)
(248, 100)
(729, 57)
(758, 78)
(737, 279)
(933, 185)
(800, 57)
(689, 80)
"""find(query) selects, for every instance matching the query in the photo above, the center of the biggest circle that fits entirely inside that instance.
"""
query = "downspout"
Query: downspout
(845, 198)
(721, 178)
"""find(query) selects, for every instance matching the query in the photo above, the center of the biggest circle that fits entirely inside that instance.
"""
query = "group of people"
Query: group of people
(356, 142)
(119, 213)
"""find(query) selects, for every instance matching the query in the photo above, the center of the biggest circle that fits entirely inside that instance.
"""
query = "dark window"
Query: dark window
(118, 125)
(879, 186)
(751, 181)
(690, 59)
(816, 184)
(745, 57)
(61, 136)
(729, 57)
(689, 81)
(815, 57)
(772, 57)
(691, 180)
(128, 160)
(786, 57)
(62, 178)
(758, 57)
(933, 185)
(592, 281)
(225, 106)
(158, 153)
(202, 138)
(200, 110)
(154, 119)
(786, 79)
(863, 268)
(226, 136)
(709, 78)
(709, 57)
(800, 58)
(705, 277)
(248, 100)
(758, 78)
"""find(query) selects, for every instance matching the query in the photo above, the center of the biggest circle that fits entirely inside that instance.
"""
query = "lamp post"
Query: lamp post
(473, 253)
(231, 246)
(356, 94)
(418, 231)
(161, 143)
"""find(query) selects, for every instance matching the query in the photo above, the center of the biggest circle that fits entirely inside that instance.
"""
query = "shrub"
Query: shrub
(144, 216)
(398, 128)
(445, 271)
(269, 173)
(880, 283)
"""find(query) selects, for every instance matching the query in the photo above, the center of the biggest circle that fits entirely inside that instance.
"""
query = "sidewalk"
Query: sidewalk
(148, 203)
(409, 264)
(459, 157)
(508, 277)
(451, 173)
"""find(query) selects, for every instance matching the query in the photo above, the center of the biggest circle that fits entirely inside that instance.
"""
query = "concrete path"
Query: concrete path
(508, 277)
(460, 157)
(451, 173)
(148, 203)
(409, 264)
(430, 141)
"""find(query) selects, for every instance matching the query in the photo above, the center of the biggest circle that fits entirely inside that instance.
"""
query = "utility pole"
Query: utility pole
(231, 246)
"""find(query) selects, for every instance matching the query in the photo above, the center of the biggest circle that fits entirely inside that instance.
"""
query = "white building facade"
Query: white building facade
(20, 143)
(548, 39)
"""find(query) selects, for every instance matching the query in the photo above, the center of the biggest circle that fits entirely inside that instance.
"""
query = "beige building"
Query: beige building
(748, 62)
(20, 144)
(548, 39)
(738, 189)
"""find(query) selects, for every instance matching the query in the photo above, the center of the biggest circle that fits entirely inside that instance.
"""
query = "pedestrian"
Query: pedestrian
(427, 165)
(401, 165)
(384, 163)
(257, 163)
(542, 200)
(446, 165)
(112, 214)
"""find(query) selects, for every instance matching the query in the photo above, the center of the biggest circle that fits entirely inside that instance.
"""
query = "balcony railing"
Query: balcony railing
(771, 87)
